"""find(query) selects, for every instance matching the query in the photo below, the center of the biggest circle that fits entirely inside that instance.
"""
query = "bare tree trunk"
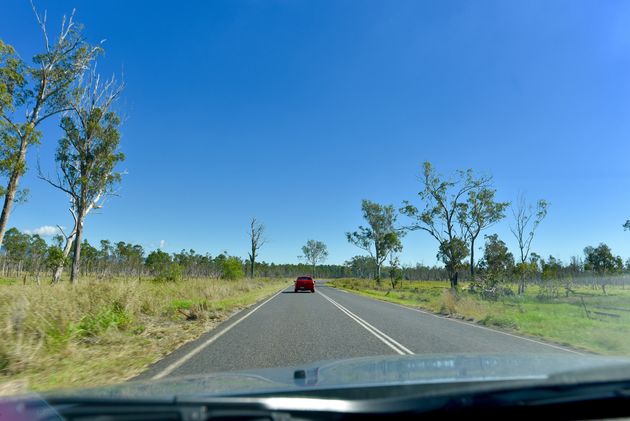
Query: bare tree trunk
(20, 163)
(66, 252)
(76, 258)
(11, 189)
(256, 236)
(472, 259)
(454, 280)
(70, 238)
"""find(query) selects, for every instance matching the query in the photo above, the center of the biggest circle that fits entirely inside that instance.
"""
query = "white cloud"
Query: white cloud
(162, 244)
(45, 231)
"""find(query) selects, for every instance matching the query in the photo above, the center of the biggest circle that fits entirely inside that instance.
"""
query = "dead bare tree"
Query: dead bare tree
(257, 240)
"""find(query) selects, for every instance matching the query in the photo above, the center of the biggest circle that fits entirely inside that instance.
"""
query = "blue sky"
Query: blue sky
(294, 111)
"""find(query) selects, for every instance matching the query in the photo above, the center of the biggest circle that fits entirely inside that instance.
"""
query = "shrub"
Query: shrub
(170, 273)
(232, 269)
(158, 261)
(498, 321)
(448, 302)
(174, 272)
(181, 304)
(58, 336)
(114, 316)
(4, 360)
(490, 286)
(549, 288)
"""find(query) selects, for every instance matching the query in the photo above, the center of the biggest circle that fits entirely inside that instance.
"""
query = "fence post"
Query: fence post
(585, 310)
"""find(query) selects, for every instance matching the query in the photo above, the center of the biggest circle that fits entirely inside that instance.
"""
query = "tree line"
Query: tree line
(30, 256)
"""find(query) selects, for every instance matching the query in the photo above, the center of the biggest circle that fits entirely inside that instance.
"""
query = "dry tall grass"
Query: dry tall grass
(106, 331)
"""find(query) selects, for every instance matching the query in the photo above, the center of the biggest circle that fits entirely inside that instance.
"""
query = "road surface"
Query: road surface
(292, 329)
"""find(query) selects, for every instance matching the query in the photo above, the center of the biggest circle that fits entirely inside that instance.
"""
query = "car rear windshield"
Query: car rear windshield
(305, 278)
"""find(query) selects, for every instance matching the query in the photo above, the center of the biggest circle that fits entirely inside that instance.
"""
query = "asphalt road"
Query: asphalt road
(292, 329)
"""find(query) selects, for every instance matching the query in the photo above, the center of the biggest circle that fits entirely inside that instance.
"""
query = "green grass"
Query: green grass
(7, 281)
(104, 332)
(562, 320)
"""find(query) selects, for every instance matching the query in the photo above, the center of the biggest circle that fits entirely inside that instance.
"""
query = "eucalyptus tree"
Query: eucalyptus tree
(31, 94)
(37, 251)
(129, 258)
(444, 202)
(380, 237)
(67, 240)
(24, 252)
(395, 271)
(601, 260)
(16, 247)
(87, 154)
(89, 258)
(105, 256)
(361, 266)
(479, 212)
(497, 259)
(315, 252)
(158, 262)
(527, 218)
(54, 259)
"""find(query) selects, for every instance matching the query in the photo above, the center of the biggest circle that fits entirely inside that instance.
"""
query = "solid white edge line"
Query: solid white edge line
(389, 341)
(173, 366)
(428, 313)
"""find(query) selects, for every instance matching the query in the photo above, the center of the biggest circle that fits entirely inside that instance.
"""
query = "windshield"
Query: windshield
(462, 196)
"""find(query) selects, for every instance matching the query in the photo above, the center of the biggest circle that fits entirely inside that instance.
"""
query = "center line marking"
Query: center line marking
(387, 340)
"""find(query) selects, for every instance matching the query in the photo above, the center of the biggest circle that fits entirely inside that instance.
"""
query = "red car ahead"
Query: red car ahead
(304, 283)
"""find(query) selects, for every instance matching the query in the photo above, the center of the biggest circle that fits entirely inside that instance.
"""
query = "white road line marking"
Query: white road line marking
(428, 313)
(367, 327)
(373, 329)
(169, 369)
(387, 340)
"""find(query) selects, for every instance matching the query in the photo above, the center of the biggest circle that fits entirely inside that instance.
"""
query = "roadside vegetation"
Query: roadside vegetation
(583, 303)
(584, 320)
(105, 332)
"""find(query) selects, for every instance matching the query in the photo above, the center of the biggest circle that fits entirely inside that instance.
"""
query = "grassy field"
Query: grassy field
(586, 320)
(103, 332)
